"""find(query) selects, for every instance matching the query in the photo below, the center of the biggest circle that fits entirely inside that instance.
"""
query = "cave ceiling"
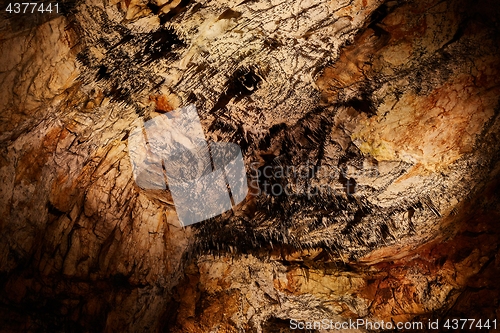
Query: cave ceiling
(368, 130)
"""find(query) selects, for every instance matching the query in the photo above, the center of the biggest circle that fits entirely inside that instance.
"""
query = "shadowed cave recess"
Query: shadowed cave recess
(380, 119)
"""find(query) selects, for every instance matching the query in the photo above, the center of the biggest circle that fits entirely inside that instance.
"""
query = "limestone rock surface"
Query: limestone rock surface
(380, 119)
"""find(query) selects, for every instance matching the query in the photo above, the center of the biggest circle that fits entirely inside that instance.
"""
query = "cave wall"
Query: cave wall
(392, 106)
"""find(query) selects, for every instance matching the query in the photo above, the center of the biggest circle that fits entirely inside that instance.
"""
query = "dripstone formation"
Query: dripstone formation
(369, 131)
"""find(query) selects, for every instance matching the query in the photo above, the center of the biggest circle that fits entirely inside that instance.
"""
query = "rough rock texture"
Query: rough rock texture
(385, 112)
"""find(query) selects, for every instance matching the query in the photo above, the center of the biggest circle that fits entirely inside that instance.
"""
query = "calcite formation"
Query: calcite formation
(369, 131)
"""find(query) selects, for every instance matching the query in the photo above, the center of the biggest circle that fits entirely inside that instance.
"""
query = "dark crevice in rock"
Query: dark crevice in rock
(242, 83)
(174, 12)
